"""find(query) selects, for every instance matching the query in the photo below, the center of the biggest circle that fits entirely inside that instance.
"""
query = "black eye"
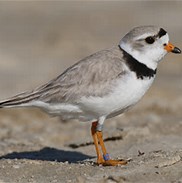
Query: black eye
(150, 40)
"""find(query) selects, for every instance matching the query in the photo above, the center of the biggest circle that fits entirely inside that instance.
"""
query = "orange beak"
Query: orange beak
(171, 48)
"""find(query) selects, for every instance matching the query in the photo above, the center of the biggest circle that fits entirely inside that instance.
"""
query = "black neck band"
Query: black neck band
(140, 69)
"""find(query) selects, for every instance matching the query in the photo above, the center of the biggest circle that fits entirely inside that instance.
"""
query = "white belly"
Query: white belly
(126, 93)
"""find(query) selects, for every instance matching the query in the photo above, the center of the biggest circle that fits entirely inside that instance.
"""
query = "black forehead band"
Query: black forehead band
(161, 33)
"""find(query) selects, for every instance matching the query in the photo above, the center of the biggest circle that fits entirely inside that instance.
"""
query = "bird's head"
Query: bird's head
(148, 44)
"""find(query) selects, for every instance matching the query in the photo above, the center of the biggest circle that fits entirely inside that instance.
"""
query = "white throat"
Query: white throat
(142, 58)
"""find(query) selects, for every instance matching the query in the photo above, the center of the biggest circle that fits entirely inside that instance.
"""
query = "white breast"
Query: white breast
(127, 92)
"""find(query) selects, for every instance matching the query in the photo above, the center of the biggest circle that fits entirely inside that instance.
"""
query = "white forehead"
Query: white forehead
(165, 38)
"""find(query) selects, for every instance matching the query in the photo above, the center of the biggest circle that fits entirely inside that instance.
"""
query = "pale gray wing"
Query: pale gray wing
(92, 76)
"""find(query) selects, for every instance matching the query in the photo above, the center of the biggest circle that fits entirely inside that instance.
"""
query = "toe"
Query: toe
(114, 162)
(100, 161)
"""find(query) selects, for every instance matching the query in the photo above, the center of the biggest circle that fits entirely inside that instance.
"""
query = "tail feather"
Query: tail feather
(22, 99)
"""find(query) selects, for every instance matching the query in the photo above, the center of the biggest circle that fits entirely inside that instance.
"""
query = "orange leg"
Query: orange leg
(100, 159)
(108, 161)
(105, 160)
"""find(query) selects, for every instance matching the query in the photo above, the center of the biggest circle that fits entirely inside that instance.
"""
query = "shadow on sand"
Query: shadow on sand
(49, 154)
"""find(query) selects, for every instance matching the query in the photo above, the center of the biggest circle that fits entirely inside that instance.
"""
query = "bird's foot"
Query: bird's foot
(106, 161)
(114, 162)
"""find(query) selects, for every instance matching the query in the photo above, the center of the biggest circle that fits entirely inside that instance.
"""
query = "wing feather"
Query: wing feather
(92, 76)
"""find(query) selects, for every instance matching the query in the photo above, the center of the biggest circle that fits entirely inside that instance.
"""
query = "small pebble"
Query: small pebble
(16, 166)
(9, 161)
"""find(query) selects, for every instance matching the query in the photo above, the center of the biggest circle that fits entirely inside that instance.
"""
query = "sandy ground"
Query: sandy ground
(38, 40)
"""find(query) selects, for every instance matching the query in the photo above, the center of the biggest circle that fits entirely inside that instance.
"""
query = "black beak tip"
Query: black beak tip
(176, 50)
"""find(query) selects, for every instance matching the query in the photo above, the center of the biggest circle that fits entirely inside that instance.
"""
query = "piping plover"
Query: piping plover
(102, 85)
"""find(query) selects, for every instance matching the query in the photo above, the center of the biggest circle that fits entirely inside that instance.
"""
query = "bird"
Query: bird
(102, 85)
